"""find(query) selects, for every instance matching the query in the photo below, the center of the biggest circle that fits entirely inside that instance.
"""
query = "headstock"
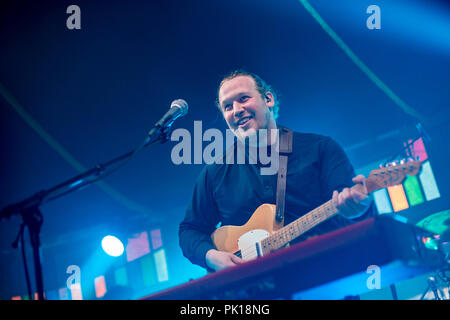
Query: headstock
(391, 175)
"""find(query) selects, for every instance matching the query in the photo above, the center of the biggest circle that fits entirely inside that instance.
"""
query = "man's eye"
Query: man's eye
(244, 98)
(227, 107)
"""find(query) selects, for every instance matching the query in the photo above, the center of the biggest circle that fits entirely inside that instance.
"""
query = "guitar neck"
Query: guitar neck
(299, 227)
(378, 179)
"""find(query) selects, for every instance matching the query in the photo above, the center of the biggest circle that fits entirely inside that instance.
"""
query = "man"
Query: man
(317, 170)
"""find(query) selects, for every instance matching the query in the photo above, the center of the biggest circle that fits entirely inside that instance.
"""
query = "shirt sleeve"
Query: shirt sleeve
(336, 171)
(200, 221)
(336, 174)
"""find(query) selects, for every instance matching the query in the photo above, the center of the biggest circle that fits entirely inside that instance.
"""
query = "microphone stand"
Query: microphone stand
(33, 218)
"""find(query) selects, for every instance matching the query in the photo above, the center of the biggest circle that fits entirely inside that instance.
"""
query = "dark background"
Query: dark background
(97, 91)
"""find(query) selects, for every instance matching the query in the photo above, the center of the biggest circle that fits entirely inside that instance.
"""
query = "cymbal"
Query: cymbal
(437, 223)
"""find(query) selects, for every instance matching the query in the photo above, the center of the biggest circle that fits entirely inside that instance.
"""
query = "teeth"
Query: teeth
(243, 120)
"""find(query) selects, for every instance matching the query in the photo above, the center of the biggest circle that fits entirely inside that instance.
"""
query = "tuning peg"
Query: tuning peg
(391, 164)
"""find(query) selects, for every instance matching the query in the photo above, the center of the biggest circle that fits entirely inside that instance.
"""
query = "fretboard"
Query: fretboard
(298, 227)
(378, 179)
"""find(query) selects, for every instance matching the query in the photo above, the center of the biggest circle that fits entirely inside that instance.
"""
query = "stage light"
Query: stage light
(112, 246)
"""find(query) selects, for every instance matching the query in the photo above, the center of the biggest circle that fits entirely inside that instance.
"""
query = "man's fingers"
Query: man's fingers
(236, 259)
(357, 196)
(335, 198)
(358, 179)
(346, 196)
(350, 201)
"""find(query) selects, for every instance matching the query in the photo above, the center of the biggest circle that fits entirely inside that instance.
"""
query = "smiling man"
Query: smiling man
(317, 170)
(247, 105)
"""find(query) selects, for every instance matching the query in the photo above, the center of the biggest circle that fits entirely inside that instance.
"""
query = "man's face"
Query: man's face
(243, 108)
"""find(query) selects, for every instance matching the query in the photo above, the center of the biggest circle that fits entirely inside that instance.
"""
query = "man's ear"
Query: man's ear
(270, 102)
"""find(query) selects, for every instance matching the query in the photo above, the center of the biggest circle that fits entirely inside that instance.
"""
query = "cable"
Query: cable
(378, 82)
(27, 275)
(15, 244)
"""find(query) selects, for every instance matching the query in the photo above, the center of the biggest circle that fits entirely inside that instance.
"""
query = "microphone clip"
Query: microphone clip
(159, 133)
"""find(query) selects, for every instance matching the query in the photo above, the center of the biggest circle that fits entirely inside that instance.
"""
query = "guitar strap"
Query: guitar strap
(285, 150)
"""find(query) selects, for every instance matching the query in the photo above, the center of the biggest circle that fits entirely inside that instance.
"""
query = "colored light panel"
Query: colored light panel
(161, 265)
(75, 291)
(428, 182)
(148, 270)
(413, 192)
(156, 239)
(382, 201)
(121, 277)
(137, 246)
(398, 198)
(63, 294)
(100, 286)
(418, 150)
(16, 298)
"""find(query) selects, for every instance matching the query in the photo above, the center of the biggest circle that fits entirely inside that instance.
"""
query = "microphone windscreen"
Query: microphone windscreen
(182, 104)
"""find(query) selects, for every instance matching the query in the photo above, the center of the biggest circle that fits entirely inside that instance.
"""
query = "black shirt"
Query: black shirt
(230, 193)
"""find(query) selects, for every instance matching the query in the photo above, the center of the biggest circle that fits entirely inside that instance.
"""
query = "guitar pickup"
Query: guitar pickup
(258, 249)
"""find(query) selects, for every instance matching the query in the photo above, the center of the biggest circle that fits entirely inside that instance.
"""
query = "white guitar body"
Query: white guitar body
(250, 244)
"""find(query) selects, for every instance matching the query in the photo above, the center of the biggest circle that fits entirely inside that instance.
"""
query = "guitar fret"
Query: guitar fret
(300, 226)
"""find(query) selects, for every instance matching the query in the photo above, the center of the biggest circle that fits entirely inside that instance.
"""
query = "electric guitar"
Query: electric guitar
(263, 234)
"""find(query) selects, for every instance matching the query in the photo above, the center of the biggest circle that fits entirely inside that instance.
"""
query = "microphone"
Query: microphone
(178, 108)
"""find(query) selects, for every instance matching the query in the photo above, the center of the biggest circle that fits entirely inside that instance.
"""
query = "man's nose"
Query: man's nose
(237, 109)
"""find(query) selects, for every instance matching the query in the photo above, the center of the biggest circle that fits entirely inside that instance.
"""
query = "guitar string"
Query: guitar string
(309, 220)
(296, 226)
(320, 214)
(251, 251)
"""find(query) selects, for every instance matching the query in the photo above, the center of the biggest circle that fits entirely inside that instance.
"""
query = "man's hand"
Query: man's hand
(352, 203)
(219, 260)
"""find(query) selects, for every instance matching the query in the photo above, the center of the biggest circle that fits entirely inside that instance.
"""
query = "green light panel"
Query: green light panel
(121, 277)
(161, 265)
(148, 270)
(413, 191)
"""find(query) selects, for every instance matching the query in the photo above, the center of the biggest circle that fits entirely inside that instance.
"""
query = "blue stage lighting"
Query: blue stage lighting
(112, 246)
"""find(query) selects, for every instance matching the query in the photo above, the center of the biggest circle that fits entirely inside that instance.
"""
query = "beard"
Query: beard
(258, 137)
(250, 134)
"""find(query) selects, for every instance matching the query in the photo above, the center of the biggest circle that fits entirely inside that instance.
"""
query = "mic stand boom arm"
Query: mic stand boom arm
(29, 207)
